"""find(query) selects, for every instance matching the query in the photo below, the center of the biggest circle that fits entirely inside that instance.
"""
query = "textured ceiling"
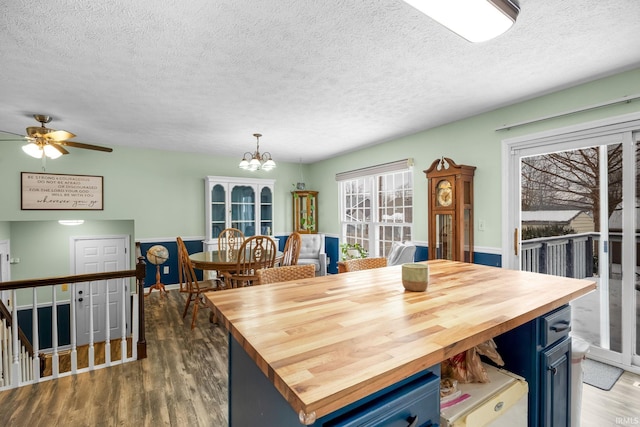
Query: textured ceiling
(316, 78)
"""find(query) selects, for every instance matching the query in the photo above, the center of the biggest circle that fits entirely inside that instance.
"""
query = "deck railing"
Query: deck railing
(568, 256)
(25, 362)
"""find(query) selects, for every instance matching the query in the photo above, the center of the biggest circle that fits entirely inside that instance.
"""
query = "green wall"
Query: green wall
(44, 248)
(5, 230)
(163, 192)
(474, 141)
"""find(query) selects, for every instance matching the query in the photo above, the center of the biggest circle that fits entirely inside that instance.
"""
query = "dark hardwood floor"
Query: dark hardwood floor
(183, 382)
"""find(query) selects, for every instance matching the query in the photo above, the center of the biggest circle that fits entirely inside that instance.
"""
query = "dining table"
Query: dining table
(220, 261)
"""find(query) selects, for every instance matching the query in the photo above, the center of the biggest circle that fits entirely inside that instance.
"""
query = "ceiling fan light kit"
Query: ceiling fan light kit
(474, 20)
(40, 150)
(256, 161)
(49, 143)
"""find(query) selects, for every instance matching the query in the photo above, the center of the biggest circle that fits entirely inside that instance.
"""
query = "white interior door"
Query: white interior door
(100, 302)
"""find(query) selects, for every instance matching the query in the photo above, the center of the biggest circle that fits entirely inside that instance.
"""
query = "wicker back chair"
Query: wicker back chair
(285, 274)
(190, 284)
(256, 252)
(357, 264)
(292, 249)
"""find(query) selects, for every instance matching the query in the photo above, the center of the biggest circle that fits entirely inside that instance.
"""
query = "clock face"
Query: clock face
(444, 193)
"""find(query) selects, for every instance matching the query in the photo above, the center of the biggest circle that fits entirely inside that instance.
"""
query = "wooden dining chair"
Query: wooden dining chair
(257, 252)
(190, 284)
(230, 239)
(285, 274)
(292, 249)
(357, 264)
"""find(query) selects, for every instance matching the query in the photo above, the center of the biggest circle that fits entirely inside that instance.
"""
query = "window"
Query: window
(376, 206)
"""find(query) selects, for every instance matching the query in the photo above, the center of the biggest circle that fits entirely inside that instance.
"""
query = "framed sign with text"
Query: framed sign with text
(50, 191)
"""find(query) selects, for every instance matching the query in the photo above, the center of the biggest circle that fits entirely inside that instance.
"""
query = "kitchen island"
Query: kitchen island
(307, 350)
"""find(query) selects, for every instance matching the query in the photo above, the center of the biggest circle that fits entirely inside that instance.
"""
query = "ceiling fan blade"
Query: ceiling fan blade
(83, 145)
(59, 135)
(59, 148)
(12, 133)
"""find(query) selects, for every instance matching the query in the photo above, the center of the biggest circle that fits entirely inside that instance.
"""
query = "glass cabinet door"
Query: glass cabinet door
(266, 211)
(218, 210)
(243, 209)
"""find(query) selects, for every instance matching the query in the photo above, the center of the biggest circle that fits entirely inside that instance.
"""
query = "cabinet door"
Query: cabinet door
(218, 210)
(266, 211)
(556, 384)
(243, 208)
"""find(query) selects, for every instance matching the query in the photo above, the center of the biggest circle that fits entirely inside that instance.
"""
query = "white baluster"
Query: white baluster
(74, 338)
(4, 355)
(107, 342)
(123, 320)
(15, 352)
(55, 361)
(35, 336)
(91, 349)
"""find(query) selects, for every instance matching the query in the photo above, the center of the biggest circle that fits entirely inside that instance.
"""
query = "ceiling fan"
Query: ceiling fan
(50, 142)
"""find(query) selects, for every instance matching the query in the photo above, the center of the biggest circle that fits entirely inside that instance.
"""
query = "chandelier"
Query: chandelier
(256, 161)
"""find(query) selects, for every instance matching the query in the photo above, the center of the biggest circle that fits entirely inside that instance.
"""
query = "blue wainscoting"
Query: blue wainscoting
(332, 248)
(481, 258)
(492, 260)
(25, 322)
(172, 262)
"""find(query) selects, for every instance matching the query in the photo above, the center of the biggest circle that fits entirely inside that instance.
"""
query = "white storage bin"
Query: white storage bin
(501, 402)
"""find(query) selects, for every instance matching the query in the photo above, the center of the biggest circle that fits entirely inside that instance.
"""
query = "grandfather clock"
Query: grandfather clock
(450, 210)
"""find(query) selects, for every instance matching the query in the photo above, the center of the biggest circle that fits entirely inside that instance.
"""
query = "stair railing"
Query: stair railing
(21, 362)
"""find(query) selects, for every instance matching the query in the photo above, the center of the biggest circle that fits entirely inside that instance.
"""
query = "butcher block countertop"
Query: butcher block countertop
(329, 341)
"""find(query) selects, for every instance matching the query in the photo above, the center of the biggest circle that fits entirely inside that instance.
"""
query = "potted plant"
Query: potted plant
(352, 250)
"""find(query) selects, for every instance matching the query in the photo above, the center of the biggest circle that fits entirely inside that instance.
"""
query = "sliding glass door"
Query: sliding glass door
(573, 210)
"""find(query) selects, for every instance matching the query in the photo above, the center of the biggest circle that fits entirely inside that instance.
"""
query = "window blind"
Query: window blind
(396, 166)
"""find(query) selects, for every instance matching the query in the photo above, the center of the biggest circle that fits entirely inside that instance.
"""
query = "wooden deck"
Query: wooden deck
(183, 382)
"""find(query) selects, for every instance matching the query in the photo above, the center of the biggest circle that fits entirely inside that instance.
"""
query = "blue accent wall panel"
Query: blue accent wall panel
(332, 249)
(492, 260)
(25, 322)
(282, 240)
(482, 258)
(422, 253)
(172, 262)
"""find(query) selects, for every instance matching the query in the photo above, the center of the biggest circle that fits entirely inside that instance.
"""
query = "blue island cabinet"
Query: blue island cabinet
(254, 401)
(540, 351)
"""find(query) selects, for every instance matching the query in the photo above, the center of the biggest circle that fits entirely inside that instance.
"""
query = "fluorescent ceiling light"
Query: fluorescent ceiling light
(71, 221)
(474, 20)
